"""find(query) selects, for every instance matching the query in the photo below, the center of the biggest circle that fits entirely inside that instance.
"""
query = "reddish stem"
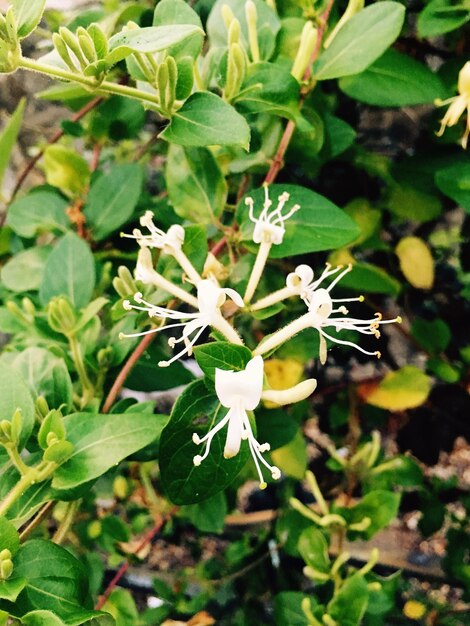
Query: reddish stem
(54, 139)
(124, 373)
(125, 566)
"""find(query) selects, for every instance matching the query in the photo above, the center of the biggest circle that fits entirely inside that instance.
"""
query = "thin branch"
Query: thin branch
(54, 139)
(34, 523)
(124, 373)
(125, 566)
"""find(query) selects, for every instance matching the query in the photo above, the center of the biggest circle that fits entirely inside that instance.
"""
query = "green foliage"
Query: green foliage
(219, 118)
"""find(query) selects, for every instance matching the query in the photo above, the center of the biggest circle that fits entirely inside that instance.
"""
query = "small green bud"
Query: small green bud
(51, 430)
(236, 70)
(100, 41)
(6, 569)
(16, 425)
(303, 57)
(71, 41)
(61, 316)
(51, 438)
(251, 15)
(234, 32)
(162, 83)
(28, 307)
(5, 554)
(94, 529)
(104, 357)
(5, 432)
(227, 15)
(63, 51)
(354, 6)
(120, 487)
(86, 44)
(11, 26)
(3, 27)
(42, 408)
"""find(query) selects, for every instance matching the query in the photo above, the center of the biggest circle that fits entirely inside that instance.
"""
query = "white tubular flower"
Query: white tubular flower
(458, 105)
(299, 392)
(157, 238)
(239, 392)
(269, 229)
(269, 226)
(210, 298)
(321, 308)
(169, 242)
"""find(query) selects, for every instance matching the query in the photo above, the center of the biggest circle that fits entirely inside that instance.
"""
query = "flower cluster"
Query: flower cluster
(241, 392)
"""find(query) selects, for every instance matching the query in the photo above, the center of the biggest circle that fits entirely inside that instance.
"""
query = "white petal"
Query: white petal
(208, 296)
(144, 266)
(234, 434)
(235, 296)
(305, 273)
(231, 386)
(293, 394)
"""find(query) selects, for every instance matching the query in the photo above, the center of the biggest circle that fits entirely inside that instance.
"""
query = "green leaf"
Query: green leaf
(313, 548)
(292, 457)
(8, 137)
(195, 183)
(271, 89)
(454, 182)
(41, 618)
(66, 169)
(44, 373)
(223, 355)
(70, 271)
(99, 444)
(148, 376)
(195, 245)
(381, 507)
(149, 39)
(14, 394)
(369, 278)
(28, 14)
(168, 12)
(9, 538)
(362, 40)
(206, 120)
(38, 212)
(318, 225)
(268, 26)
(11, 589)
(350, 603)
(208, 516)
(276, 426)
(112, 199)
(196, 410)
(412, 204)
(442, 16)
(288, 609)
(434, 336)
(55, 580)
(25, 270)
(394, 80)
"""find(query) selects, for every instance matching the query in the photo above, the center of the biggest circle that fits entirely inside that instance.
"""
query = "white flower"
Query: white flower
(458, 105)
(269, 226)
(323, 314)
(166, 241)
(239, 392)
(210, 297)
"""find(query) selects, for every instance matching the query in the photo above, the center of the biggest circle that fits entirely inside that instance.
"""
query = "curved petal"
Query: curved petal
(234, 433)
(235, 296)
(293, 394)
(207, 296)
(246, 385)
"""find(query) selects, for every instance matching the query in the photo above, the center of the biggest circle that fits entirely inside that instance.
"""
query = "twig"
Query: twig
(36, 520)
(125, 566)
(54, 139)
(278, 160)
(124, 373)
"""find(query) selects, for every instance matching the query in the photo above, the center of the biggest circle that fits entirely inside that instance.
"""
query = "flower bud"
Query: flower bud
(42, 408)
(251, 15)
(11, 26)
(52, 429)
(5, 554)
(100, 41)
(293, 394)
(307, 44)
(6, 569)
(63, 51)
(5, 432)
(71, 42)
(227, 15)
(86, 44)
(61, 315)
(104, 357)
(16, 425)
(234, 32)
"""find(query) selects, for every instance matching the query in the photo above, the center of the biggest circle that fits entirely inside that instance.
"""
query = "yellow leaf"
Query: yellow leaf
(282, 374)
(416, 262)
(66, 170)
(291, 459)
(406, 388)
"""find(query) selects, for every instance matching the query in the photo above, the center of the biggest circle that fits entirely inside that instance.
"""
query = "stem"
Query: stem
(124, 373)
(25, 481)
(16, 459)
(221, 324)
(66, 523)
(273, 298)
(87, 385)
(283, 335)
(90, 83)
(125, 566)
(34, 523)
(257, 271)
